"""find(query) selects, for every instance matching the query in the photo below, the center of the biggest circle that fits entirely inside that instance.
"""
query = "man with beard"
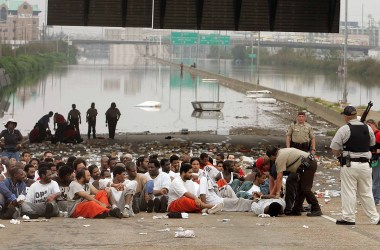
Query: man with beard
(142, 164)
(181, 195)
(30, 174)
(86, 201)
(94, 172)
(42, 196)
(160, 188)
(10, 190)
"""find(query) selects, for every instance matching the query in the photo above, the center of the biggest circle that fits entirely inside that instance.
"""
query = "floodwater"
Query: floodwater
(144, 80)
(129, 86)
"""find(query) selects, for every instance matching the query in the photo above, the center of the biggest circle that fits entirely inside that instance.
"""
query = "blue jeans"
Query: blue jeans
(376, 183)
(149, 185)
(15, 155)
(265, 187)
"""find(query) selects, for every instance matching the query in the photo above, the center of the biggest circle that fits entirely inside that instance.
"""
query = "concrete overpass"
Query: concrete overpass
(246, 42)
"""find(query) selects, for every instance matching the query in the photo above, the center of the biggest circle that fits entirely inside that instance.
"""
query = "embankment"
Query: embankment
(308, 103)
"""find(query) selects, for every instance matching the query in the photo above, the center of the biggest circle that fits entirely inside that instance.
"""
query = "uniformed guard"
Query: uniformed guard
(300, 134)
(112, 117)
(91, 120)
(351, 145)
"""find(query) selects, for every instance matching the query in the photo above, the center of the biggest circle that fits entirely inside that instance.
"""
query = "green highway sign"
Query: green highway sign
(251, 55)
(184, 38)
(214, 39)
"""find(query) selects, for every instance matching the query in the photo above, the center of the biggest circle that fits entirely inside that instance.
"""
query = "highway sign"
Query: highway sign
(251, 55)
(214, 39)
(184, 38)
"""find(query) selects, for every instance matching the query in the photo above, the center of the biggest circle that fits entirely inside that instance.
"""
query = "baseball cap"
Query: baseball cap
(349, 110)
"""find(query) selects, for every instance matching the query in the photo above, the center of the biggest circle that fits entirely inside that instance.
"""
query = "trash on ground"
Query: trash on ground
(81, 218)
(262, 224)
(264, 216)
(164, 230)
(14, 222)
(143, 233)
(2, 226)
(36, 220)
(25, 217)
(185, 234)
(304, 226)
(155, 217)
(86, 225)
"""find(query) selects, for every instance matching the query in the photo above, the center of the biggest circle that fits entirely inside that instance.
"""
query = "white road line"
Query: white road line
(329, 218)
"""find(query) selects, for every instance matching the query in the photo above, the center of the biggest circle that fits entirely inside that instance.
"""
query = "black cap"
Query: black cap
(271, 151)
(349, 110)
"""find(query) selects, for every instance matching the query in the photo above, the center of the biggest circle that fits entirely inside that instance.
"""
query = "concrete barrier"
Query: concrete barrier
(307, 103)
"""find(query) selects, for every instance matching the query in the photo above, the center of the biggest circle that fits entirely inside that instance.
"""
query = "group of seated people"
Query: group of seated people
(122, 187)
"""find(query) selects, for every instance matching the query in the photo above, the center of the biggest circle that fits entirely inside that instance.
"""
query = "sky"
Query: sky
(370, 7)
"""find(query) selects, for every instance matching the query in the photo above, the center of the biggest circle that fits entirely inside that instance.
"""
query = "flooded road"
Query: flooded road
(144, 80)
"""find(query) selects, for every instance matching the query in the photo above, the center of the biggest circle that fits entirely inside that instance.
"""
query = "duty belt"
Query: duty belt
(361, 159)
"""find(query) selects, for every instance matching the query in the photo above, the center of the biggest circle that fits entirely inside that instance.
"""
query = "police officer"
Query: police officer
(91, 120)
(304, 167)
(300, 134)
(74, 118)
(351, 145)
(12, 140)
(112, 117)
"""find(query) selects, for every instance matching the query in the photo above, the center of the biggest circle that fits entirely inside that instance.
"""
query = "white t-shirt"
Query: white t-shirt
(38, 193)
(258, 207)
(253, 189)
(207, 189)
(173, 174)
(161, 181)
(178, 188)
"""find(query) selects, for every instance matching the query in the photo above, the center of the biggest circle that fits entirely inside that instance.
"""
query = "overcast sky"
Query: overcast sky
(370, 7)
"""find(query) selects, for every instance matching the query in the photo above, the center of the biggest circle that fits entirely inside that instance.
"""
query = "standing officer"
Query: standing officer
(74, 118)
(12, 140)
(91, 120)
(351, 145)
(300, 134)
(112, 116)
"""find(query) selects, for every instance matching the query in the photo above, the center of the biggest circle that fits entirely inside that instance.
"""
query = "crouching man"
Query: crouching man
(42, 196)
(81, 201)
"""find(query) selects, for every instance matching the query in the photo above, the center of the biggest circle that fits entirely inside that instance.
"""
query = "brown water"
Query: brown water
(144, 80)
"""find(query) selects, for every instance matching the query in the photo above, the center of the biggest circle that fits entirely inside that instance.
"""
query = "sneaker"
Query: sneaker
(8, 214)
(126, 212)
(115, 212)
(216, 208)
(315, 213)
(150, 206)
(377, 203)
(49, 210)
(131, 213)
(164, 204)
(157, 205)
(343, 222)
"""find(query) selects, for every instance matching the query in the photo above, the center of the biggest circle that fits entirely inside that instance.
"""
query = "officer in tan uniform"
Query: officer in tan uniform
(303, 166)
(300, 134)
